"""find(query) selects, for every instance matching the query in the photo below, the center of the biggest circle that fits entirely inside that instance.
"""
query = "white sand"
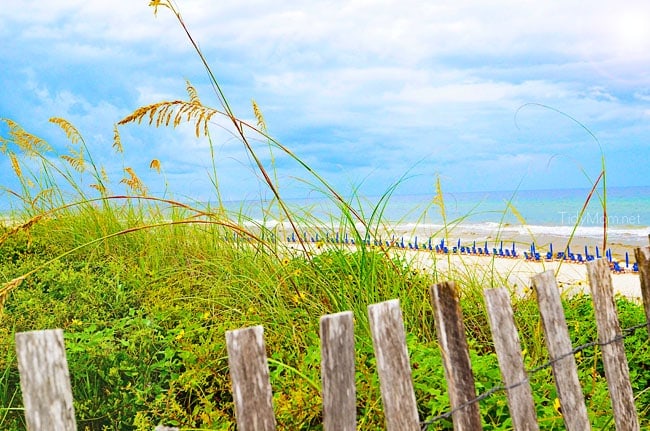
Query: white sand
(517, 272)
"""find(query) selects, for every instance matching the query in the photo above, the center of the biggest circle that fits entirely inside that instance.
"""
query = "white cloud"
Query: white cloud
(360, 84)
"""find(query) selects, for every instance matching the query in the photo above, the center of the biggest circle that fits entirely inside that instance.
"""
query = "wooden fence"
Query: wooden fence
(48, 401)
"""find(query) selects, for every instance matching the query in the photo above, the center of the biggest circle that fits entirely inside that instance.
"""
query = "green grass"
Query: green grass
(145, 288)
(145, 319)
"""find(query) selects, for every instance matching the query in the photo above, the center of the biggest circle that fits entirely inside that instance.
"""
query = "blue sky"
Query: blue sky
(363, 91)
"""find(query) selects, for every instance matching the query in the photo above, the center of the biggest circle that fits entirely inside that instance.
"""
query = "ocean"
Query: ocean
(478, 215)
(548, 214)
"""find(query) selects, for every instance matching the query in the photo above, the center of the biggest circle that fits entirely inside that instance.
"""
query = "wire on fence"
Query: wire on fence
(447, 415)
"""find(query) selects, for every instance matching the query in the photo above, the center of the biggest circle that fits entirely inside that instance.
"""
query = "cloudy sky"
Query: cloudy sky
(365, 92)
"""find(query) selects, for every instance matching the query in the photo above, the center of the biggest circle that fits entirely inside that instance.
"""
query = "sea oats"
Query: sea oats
(133, 182)
(192, 93)
(71, 132)
(117, 141)
(174, 112)
(15, 165)
(155, 165)
(261, 123)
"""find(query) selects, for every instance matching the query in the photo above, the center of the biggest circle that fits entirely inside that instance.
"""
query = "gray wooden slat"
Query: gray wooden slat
(249, 374)
(614, 359)
(559, 346)
(393, 366)
(511, 361)
(642, 255)
(337, 371)
(45, 381)
(455, 353)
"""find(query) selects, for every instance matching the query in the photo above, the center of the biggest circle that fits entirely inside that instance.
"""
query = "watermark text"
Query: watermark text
(595, 218)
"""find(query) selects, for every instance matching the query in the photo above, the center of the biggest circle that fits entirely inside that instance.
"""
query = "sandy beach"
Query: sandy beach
(516, 272)
(571, 276)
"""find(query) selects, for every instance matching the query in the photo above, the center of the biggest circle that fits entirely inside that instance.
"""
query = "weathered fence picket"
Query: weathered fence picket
(45, 381)
(614, 360)
(642, 255)
(48, 400)
(337, 372)
(560, 349)
(511, 360)
(458, 368)
(393, 367)
(249, 374)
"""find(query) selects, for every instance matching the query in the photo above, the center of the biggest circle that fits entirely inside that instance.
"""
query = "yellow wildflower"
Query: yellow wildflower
(299, 297)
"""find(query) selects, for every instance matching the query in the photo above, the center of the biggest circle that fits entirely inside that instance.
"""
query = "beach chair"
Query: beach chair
(635, 267)
(580, 260)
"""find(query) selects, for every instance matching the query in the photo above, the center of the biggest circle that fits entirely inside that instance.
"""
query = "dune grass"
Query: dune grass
(146, 286)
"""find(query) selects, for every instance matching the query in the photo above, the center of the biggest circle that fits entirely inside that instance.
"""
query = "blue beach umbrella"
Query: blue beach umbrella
(586, 251)
(597, 253)
(627, 260)
(550, 247)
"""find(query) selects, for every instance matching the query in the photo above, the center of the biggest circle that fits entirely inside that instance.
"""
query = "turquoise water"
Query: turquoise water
(544, 212)
(547, 212)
